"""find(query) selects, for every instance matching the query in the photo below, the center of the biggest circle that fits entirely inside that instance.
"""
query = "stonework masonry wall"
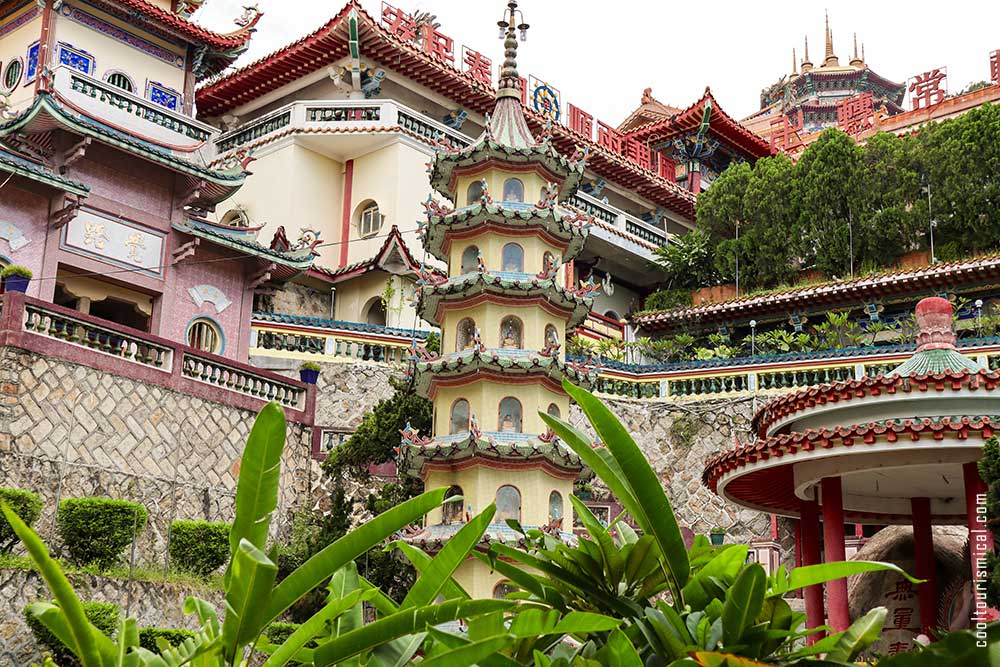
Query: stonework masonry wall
(67, 430)
(157, 605)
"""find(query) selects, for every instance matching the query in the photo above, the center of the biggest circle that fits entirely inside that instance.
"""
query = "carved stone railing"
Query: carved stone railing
(243, 380)
(254, 131)
(47, 322)
(315, 339)
(625, 224)
(62, 333)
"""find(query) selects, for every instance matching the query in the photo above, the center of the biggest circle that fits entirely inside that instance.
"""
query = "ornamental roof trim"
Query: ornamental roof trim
(691, 118)
(338, 325)
(46, 112)
(298, 260)
(828, 293)
(393, 242)
(21, 165)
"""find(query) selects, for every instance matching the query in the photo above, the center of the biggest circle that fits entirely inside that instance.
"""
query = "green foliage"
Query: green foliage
(96, 531)
(687, 262)
(103, 615)
(199, 547)
(667, 299)
(16, 270)
(148, 637)
(26, 504)
(310, 366)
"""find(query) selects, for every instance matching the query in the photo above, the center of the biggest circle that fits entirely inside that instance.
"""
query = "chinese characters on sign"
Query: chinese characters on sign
(113, 241)
(926, 90)
(478, 66)
(995, 67)
(856, 114)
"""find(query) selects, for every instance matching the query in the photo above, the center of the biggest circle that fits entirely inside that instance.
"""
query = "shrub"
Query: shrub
(173, 636)
(104, 616)
(97, 530)
(310, 366)
(667, 299)
(16, 270)
(279, 631)
(26, 505)
(199, 547)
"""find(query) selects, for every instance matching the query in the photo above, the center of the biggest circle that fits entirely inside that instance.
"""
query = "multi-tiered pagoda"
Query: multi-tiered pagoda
(504, 313)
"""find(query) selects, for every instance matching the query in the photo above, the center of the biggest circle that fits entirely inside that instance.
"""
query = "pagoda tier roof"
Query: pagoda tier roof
(720, 123)
(282, 265)
(824, 296)
(488, 150)
(331, 42)
(48, 114)
(505, 365)
(326, 323)
(900, 383)
(222, 48)
(562, 228)
(504, 287)
(491, 449)
(772, 488)
(432, 538)
(13, 162)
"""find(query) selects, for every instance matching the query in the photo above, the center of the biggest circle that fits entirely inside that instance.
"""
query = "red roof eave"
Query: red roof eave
(187, 29)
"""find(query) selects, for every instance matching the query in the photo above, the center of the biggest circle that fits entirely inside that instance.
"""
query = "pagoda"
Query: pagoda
(504, 311)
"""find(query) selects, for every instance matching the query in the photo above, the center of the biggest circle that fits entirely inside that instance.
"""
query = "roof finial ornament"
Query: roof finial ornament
(806, 63)
(795, 63)
(829, 59)
(510, 81)
(855, 61)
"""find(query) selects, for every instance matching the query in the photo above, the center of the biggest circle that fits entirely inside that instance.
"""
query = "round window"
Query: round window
(12, 74)
(204, 334)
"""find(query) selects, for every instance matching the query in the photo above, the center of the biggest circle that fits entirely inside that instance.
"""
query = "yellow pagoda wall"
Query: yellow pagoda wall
(111, 54)
(480, 484)
(488, 317)
(495, 178)
(491, 246)
(484, 401)
(15, 45)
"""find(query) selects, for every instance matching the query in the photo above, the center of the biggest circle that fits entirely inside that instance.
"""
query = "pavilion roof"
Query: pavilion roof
(48, 113)
(285, 264)
(720, 123)
(825, 296)
(392, 246)
(13, 162)
(330, 43)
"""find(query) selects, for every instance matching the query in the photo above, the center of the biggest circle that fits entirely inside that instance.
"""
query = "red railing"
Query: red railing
(53, 331)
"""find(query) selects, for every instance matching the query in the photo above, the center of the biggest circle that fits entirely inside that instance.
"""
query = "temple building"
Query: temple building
(109, 176)
(808, 96)
(504, 313)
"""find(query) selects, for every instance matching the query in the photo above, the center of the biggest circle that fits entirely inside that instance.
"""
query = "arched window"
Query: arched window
(508, 503)
(513, 190)
(235, 217)
(375, 313)
(369, 220)
(511, 333)
(474, 193)
(513, 258)
(452, 512)
(553, 411)
(503, 589)
(459, 417)
(464, 334)
(12, 74)
(612, 315)
(551, 335)
(555, 506)
(510, 415)
(205, 334)
(470, 259)
(120, 80)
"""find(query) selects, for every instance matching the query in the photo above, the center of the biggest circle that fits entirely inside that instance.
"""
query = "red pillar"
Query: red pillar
(808, 553)
(833, 551)
(923, 543)
(980, 537)
(345, 218)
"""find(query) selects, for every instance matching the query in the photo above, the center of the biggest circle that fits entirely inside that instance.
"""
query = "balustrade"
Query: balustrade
(242, 381)
(332, 345)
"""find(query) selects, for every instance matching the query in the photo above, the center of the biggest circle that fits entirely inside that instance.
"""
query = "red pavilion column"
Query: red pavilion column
(980, 537)
(923, 543)
(833, 551)
(808, 554)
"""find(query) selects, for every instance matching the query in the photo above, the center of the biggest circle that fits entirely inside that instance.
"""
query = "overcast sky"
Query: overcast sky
(601, 55)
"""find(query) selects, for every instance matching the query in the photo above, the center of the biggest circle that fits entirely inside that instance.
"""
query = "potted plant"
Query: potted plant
(15, 278)
(309, 372)
(717, 536)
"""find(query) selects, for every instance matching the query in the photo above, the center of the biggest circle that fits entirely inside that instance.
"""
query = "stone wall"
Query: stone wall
(67, 430)
(152, 604)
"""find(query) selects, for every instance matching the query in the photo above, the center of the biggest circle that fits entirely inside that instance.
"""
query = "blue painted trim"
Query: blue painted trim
(218, 325)
(323, 323)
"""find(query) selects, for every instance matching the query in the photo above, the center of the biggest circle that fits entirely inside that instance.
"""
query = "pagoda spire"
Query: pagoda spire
(507, 125)
(855, 61)
(806, 63)
(510, 81)
(829, 59)
(795, 63)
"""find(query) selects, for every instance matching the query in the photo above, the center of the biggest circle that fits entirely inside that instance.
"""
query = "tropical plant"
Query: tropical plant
(27, 505)
(687, 262)
(103, 615)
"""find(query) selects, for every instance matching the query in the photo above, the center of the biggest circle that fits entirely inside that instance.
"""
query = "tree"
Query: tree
(688, 262)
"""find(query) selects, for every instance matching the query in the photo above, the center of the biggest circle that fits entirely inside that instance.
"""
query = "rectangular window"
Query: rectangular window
(157, 93)
(31, 66)
(76, 58)
(371, 221)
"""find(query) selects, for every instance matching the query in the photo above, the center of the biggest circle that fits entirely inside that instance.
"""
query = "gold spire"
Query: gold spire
(806, 63)
(829, 59)
(855, 61)
(795, 62)
(862, 53)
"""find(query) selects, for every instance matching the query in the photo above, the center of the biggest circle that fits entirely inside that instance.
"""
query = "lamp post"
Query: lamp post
(510, 19)
(932, 223)
(753, 338)
(737, 258)
(979, 317)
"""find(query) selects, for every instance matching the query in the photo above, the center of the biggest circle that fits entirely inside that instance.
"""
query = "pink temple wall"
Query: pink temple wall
(28, 211)
(126, 186)
(226, 275)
